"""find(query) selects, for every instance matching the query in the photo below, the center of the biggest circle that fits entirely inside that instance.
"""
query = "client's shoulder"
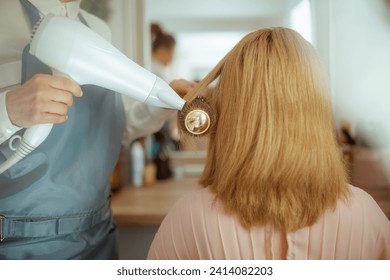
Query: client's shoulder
(359, 195)
(197, 203)
(199, 196)
(361, 203)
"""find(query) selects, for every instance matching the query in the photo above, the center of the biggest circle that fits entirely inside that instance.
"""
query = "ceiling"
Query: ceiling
(217, 15)
(217, 9)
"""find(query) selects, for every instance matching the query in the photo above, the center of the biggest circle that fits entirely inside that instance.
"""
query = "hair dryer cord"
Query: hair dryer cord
(32, 138)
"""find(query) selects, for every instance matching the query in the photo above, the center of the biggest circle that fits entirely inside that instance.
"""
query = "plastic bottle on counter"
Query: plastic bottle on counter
(138, 164)
(150, 167)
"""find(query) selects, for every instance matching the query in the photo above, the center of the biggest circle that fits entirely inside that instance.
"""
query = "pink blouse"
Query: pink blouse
(196, 228)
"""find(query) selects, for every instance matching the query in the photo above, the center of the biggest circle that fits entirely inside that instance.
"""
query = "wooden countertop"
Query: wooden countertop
(148, 205)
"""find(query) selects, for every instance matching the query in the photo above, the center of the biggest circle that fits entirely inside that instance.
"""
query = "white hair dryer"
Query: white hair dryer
(71, 48)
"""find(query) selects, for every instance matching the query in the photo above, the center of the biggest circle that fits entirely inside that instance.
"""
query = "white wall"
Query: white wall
(217, 15)
(353, 36)
(361, 49)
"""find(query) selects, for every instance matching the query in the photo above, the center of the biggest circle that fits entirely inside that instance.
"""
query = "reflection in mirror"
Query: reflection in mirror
(206, 30)
(356, 58)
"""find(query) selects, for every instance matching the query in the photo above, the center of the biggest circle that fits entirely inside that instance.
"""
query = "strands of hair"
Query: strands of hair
(272, 153)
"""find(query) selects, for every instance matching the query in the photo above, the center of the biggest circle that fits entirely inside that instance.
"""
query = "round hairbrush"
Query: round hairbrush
(197, 117)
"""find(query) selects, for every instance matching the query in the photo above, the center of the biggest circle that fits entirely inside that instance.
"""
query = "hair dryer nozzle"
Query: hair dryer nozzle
(163, 95)
(70, 47)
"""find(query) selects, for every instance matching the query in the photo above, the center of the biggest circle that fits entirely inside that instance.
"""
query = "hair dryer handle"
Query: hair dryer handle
(31, 139)
(58, 73)
(36, 134)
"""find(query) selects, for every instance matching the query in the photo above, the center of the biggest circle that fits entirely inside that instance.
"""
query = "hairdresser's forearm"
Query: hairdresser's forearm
(142, 119)
(6, 126)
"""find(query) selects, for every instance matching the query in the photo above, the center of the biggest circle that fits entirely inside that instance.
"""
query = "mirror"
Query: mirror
(357, 60)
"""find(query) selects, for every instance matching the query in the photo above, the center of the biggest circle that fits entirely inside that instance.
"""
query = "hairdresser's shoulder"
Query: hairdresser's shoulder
(97, 25)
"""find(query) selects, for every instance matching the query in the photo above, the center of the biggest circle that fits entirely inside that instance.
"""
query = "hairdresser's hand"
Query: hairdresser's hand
(182, 87)
(42, 99)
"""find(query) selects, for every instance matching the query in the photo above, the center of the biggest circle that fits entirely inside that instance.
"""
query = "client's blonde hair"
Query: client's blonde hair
(273, 155)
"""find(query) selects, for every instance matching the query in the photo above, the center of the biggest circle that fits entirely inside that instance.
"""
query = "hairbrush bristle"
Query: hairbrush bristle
(197, 118)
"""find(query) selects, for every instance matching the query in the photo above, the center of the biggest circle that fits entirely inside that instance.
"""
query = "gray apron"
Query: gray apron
(55, 203)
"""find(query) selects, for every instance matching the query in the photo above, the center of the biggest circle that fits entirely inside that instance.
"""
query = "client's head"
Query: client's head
(273, 155)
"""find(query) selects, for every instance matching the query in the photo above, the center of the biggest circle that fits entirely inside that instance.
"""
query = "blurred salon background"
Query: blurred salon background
(351, 36)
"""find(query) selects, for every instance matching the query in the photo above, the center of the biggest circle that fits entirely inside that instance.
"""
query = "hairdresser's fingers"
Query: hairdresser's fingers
(52, 112)
(53, 118)
(66, 84)
(182, 87)
(55, 108)
(62, 96)
(27, 105)
(40, 81)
